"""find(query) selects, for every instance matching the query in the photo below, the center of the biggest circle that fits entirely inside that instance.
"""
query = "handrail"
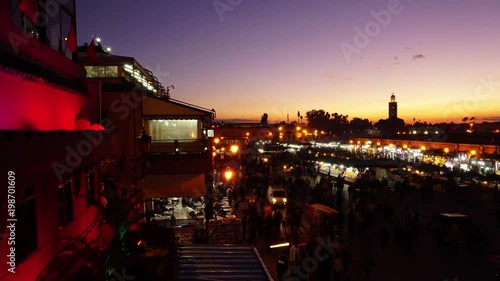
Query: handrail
(195, 106)
(269, 277)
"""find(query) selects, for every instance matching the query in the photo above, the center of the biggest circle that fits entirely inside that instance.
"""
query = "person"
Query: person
(346, 257)
(282, 267)
(498, 213)
(454, 238)
(293, 254)
(351, 220)
(368, 257)
(338, 268)
(384, 237)
(277, 220)
(244, 224)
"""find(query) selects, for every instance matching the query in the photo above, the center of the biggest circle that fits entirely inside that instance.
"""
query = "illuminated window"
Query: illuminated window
(171, 130)
(102, 71)
(53, 23)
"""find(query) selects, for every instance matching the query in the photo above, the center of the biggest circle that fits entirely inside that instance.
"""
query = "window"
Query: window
(172, 130)
(102, 71)
(26, 226)
(53, 25)
(65, 204)
(90, 188)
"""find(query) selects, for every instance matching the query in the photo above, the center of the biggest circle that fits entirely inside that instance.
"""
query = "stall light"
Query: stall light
(279, 245)
(234, 149)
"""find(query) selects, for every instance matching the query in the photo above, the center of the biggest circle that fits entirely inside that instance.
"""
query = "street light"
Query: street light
(228, 175)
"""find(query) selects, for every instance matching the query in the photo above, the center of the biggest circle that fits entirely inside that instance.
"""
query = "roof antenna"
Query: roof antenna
(168, 90)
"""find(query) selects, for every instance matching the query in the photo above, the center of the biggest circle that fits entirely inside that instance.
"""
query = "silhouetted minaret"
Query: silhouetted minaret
(393, 107)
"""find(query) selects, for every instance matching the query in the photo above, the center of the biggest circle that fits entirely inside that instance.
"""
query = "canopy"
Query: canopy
(324, 209)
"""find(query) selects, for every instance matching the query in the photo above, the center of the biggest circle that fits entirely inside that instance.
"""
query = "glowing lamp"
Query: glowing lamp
(234, 149)
(97, 127)
(286, 244)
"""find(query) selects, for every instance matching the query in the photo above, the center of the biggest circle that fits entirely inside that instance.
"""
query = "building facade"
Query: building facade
(52, 145)
(179, 160)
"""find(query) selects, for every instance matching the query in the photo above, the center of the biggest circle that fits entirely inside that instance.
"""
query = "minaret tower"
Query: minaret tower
(393, 107)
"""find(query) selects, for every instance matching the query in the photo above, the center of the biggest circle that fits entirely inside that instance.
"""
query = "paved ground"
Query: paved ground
(427, 262)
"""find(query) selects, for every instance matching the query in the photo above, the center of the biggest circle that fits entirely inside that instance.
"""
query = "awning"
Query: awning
(324, 209)
(179, 185)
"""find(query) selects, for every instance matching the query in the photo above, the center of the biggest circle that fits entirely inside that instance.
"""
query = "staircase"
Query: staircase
(220, 262)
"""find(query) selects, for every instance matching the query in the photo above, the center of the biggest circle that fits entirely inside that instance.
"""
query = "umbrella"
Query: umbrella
(401, 173)
(429, 168)
(490, 177)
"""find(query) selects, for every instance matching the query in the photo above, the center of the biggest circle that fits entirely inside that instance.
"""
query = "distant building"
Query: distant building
(393, 107)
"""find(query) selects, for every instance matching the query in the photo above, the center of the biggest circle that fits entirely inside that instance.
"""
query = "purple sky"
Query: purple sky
(440, 58)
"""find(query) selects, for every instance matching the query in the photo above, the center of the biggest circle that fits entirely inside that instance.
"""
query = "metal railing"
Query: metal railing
(181, 146)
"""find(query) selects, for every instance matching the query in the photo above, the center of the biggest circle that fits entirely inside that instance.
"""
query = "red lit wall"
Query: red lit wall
(37, 106)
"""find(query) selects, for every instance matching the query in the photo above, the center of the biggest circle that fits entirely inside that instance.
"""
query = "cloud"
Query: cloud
(418, 56)
(329, 75)
(348, 78)
(491, 119)
(396, 60)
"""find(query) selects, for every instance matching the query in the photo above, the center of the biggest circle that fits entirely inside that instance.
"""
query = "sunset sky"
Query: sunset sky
(245, 57)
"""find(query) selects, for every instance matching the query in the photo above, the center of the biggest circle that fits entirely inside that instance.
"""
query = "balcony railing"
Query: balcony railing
(181, 146)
